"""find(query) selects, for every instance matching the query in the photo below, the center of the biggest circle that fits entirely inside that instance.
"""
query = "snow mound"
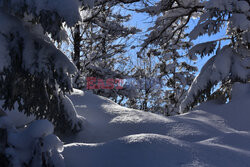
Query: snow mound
(212, 135)
(31, 146)
(134, 150)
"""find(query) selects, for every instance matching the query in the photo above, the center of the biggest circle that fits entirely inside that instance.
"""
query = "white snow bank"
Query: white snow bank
(32, 145)
(135, 150)
(213, 135)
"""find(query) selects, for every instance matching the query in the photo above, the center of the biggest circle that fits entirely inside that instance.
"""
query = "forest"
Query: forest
(124, 83)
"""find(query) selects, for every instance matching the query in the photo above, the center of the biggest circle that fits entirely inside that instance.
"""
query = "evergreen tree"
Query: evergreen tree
(147, 83)
(230, 60)
(167, 38)
(33, 73)
(229, 63)
(177, 76)
(100, 42)
(33, 146)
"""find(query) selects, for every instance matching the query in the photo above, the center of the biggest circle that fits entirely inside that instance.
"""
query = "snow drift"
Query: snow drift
(212, 135)
(113, 136)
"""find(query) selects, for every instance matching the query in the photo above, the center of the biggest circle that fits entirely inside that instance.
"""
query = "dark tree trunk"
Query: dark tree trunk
(77, 46)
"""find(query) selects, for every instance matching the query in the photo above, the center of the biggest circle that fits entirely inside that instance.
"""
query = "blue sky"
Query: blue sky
(143, 22)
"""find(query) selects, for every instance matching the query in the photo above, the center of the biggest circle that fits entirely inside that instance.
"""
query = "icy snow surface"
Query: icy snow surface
(114, 136)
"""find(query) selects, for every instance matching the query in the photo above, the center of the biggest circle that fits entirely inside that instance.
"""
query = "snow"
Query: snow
(228, 5)
(30, 143)
(216, 69)
(40, 128)
(67, 9)
(52, 142)
(16, 118)
(242, 6)
(202, 49)
(71, 112)
(135, 150)
(240, 21)
(186, 3)
(211, 135)
(89, 3)
(34, 60)
(239, 69)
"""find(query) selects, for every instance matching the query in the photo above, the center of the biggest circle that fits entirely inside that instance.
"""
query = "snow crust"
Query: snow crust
(212, 135)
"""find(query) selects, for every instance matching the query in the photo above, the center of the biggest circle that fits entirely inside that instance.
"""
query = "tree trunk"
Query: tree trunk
(77, 47)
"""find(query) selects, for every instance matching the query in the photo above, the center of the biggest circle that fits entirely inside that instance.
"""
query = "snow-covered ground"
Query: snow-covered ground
(115, 136)
(213, 134)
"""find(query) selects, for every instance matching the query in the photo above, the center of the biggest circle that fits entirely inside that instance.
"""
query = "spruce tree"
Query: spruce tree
(33, 73)
(177, 75)
(100, 43)
(229, 61)
(168, 38)
(230, 55)
(33, 146)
